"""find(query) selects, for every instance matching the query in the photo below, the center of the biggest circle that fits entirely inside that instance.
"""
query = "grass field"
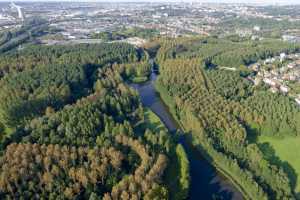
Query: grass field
(285, 152)
(141, 79)
(153, 122)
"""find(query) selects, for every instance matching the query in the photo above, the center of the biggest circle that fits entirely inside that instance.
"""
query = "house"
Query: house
(274, 89)
(298, 100)
(286, 77)
(256, 28)
(269, 61)
(291, 65)
(289, 38)
(255, 37)
(269, 81)
(282, 57)
(292, 77)
(284, 89)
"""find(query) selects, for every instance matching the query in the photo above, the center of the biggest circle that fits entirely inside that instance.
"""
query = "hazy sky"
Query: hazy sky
(215, 1)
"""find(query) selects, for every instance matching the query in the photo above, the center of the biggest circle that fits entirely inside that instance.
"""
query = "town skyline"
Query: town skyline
(265, 2)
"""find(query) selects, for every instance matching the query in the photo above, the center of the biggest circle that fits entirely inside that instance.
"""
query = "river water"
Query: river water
(206, 182)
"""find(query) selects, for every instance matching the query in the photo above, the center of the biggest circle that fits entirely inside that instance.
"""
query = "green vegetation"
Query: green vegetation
(281, 114)
(177, 175)
(153, 122)
(184, 173)
(44, 77)
(222, 110)
(71, 128)
(270, 28)
(284, 152)
(137, 72)
(223, 52)
(89, 55)
(24, 95)
(264, 23)
(139, 79)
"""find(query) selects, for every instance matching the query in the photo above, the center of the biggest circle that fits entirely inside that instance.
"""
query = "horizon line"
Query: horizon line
(154, 1)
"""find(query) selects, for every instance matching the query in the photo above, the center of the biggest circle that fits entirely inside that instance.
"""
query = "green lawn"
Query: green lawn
(141, 79)
(285, 152)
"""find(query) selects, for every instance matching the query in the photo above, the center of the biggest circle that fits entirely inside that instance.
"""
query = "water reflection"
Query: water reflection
(206, 183)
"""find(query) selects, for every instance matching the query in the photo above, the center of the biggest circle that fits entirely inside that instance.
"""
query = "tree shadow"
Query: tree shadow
(270, 155)
(206, 182)
(297, 195)
(252, 133)
(157, 127)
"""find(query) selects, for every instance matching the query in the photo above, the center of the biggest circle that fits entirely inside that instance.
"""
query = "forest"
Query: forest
(224, 112)
(223, 52)
(72, 128)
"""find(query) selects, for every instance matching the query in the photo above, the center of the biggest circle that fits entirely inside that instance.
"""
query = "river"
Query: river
(206, 182)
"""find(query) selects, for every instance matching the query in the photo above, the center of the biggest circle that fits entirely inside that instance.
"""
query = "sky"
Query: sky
(214, 1)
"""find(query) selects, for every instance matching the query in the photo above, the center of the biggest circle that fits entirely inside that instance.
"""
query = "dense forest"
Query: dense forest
(223, 111)
(223, 52)
(72, 128)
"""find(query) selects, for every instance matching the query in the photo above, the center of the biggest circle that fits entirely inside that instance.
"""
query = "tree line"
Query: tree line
(76, 127)
(219, 108)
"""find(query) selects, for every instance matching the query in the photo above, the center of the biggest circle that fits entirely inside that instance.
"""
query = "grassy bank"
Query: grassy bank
(284, 152)
(153, 122)
(141, 79)
(168, 101)
(177, 173)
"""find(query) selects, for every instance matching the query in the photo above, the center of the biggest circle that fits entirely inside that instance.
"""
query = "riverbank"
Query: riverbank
(168, 101)
(177, 174)
(206, 182)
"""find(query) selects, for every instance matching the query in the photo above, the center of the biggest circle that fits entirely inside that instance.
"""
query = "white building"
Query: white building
(269, 81)
(256, 28)
(273, 89)
(298, 101)
(269, 61)
(284, 89)
(282, 57)
(291, 65)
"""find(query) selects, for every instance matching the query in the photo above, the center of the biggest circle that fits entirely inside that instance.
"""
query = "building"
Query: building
(282, 57)
(284, 89)
(256, 28)
(291, 65)
(298, 100)
(269, 81)
(274, 89)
